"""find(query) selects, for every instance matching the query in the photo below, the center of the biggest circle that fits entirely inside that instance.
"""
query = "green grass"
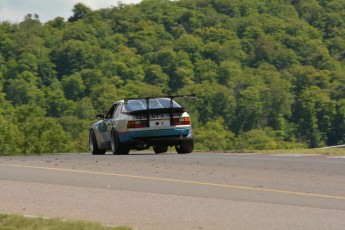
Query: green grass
(321, 151)
(16, 222)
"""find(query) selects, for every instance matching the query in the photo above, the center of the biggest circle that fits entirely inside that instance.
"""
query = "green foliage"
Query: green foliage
(266, 74)
(316, 111)
(259, 139)
(41, 134)
(256, 139)
(11, 139)
(73, 87)
(214, 136)
(79, 11)
(29, 223)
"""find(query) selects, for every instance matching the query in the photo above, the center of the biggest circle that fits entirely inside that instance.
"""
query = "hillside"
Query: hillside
(267, 74)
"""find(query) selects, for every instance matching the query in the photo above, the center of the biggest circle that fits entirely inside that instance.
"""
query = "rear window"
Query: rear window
(155, 103)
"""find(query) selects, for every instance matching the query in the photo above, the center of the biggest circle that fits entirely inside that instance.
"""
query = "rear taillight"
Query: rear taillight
(137, 124)
(181, 121)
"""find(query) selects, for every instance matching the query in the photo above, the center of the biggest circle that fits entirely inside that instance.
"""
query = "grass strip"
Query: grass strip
(319, 151)
(17, 222)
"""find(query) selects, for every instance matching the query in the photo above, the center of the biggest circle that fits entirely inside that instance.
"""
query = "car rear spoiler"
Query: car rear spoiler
(171, 97)
(171, 110)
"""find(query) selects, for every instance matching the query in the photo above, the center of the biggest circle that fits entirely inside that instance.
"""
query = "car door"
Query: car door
(108, 120)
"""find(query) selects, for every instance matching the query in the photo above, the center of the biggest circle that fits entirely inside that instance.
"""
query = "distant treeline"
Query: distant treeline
(267, 74)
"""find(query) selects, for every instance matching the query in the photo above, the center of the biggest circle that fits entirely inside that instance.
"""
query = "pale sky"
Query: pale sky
(15, 10)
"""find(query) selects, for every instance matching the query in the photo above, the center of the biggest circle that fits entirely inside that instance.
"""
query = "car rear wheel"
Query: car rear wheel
(160, 149)
(185, 147)
(116, 146)
(93, 145)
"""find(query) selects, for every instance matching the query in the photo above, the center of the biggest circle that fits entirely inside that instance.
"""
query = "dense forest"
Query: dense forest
(266, 74)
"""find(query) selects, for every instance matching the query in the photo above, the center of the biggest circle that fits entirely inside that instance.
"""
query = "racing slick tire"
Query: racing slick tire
(160, 149)
(93, 144)
(185, 147)
(116, 147)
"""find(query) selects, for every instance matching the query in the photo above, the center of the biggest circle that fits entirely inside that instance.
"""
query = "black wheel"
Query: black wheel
(116, 146)
(185, 147)
(93, 145)
(160, 149)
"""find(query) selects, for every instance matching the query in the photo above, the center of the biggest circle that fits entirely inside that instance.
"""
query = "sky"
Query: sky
(15, 10)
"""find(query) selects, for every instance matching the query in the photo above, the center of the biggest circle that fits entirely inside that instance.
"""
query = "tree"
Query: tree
(26, 85)
(154, 75)
(315, 113)
(228, 72)
(250, 108)
(337, 135)
(303, 77)
(268, 50)
(135, 89)
(41, 134)
(188, 43)
(256, 139)
(80, 10)
(90, 78)
(148, 36)
(81, 31)
(72, 56)
(73, 87)
(11, 139)
(183, 73)
(103, 96)
(84, 109)
(277, 98)
(205, 70)
(58, 23)
(214, 136)
(166, 58)
(309, 10)
(212, 101)
(56, 103)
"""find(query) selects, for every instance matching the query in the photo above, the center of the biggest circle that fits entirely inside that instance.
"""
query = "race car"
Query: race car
(141, 123)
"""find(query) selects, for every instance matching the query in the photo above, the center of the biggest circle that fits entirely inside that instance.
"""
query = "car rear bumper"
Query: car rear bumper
(156, 137)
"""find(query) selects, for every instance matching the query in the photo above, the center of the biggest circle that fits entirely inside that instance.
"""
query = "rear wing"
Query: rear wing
(171, 97)
(171, 110)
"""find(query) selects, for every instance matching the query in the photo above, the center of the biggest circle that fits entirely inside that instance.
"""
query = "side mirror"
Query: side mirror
(100, 116)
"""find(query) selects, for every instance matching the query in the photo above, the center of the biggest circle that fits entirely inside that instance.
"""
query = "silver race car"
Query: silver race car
(139, 123)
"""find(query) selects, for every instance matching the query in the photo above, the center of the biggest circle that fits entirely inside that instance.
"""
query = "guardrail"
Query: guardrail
(334, 146)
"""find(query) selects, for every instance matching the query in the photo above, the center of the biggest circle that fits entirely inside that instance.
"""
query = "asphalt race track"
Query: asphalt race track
(172, 191)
